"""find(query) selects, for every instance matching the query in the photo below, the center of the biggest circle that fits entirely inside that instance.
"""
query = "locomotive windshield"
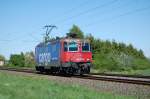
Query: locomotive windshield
(73, 46)
(85, 47)
(70, 46)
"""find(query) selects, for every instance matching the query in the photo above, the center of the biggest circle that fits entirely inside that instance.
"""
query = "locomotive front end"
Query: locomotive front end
(77, 55)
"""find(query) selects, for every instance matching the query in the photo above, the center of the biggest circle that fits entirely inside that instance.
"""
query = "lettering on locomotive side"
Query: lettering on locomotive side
(44, 57)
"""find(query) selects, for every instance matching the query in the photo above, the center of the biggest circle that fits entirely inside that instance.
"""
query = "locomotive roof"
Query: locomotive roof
(63, 39)
(51, 41)
(80, 40)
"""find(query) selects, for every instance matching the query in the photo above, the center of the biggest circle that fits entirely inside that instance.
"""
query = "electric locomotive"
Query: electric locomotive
(66, 55)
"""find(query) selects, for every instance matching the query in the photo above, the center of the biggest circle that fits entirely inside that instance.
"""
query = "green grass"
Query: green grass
(25, 87)
(145, 72)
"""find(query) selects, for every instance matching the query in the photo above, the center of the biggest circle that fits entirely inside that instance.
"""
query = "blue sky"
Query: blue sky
(22, 21)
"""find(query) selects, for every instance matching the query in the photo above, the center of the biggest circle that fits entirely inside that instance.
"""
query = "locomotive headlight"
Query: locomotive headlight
(87, 59)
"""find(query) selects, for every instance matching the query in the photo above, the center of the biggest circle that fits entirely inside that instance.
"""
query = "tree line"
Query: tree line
(21, 60)
(107, 55)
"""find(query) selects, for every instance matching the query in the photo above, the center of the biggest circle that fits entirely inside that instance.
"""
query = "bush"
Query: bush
(16, 60)
(104, 62)
(141, 64)
(118, 62)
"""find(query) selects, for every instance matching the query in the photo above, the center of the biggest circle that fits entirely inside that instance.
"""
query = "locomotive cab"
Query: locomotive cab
(77, 55)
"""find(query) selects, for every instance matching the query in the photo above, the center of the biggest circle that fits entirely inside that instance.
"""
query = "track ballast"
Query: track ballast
(132, 79)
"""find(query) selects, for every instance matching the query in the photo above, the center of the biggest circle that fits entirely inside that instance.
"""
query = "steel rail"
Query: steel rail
(121, 75)
(115, 78)
(118, 79)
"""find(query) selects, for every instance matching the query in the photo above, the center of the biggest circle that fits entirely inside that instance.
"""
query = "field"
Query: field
(25, 87)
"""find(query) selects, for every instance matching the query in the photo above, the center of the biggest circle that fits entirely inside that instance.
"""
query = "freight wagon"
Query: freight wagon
(68, 55)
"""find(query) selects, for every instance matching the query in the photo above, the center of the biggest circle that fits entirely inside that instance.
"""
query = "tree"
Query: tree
(141, 54)
(2, 58)
(75, 29)
(29, 59)
(17, 60)
(22, 59)
(91, 39)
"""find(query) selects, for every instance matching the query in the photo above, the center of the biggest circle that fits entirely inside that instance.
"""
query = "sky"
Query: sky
(22, 21)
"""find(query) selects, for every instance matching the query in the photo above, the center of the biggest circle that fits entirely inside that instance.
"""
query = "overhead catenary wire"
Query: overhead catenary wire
(20, 40)
(23, 41)
(33, 37)
(104, 12)
(118, 16)
(78, 6)
(68, 11)
(87, 11)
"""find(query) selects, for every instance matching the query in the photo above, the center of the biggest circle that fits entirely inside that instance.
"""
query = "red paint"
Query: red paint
(78, 56)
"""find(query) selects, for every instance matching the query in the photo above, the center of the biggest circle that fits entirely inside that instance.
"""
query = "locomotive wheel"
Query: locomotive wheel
(36, 67)
(47, 71)
(80, 72)
(68, 71)
(53, 70)
(41, 69)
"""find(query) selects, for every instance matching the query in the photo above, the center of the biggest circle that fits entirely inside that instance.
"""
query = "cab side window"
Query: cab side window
(65, 47)
(85, 47)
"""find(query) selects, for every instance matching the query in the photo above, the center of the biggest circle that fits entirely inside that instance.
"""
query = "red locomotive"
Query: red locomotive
(64, 55)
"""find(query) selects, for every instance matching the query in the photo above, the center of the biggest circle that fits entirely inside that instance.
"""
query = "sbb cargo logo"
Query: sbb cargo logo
(44, 57)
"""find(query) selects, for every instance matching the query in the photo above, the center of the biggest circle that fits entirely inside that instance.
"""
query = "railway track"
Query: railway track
(132, 79)
(121, 75)
(27, 70)
(139, 81)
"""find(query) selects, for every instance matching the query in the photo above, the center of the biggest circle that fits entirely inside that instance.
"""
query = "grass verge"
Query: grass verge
(25, 87)
(145, 72)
